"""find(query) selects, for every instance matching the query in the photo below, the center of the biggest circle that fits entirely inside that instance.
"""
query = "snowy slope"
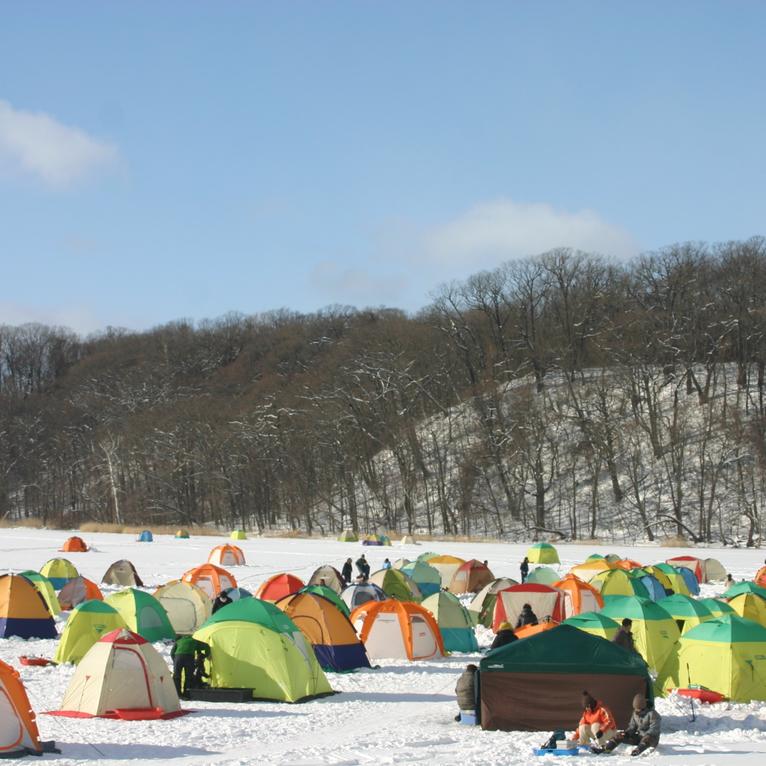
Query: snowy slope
(400, 713)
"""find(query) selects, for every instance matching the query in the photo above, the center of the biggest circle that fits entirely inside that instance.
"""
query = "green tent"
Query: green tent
(542, 553)
(427, 556)
(329, 594)
(744, 587)
(87, 623)
(716, 607)
(238, 534)
(255, 645)
(45, 588)
(454, 622)
(595, 623)
(348, 536)
(535, 684)
(688, 612)
(482, 606)
(396, 584)
(543, 576)
(142, 614)
(426, 577)
(655, 632)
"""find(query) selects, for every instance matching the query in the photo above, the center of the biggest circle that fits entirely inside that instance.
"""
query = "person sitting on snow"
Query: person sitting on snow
(465, 689)
(505, 635)
(643, 730)
(596, 724)
(527, 617)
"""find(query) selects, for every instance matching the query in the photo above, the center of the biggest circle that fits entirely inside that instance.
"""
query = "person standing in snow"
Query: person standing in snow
(363, 567)
(188, 657)
(643, 730)
(465, 690)
(347, 571)
(524, 569)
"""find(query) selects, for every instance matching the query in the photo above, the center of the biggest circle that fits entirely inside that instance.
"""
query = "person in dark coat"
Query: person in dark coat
(346, 572)
(465, 689)
(643, 730)
(363, 567)
(524, 569)
(527, 617)
(623, 637)
(188, 657)
(221, 600)
(505, 635)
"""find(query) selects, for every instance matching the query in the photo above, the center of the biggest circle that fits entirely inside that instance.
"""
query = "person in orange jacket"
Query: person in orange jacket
(597, 722)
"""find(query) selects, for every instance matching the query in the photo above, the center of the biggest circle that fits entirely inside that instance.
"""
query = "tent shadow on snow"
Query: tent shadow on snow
(244, 712)
(133, 750)
(345, 697)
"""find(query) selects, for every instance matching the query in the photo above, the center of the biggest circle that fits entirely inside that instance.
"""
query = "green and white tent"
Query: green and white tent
(454, 622)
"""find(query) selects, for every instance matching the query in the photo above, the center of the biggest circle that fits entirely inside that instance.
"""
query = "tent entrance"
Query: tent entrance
(11, 730)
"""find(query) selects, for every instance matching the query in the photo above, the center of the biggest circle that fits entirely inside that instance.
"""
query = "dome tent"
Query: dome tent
(142, 614)
(595, 623)
(226, 555)
(543, 553)
(74, 545)
(396, 584)
(360, 593)
(329, 576)
(23, 611)
(238, 534)
(145, 537)
(18, 729)
(278, 586)
(471, 577)
(182, 534)
(329, 594)
(544, 600)
(454, 621)
(426, 577)
(688, 612)
(121, 676)
(187, 606)
(543, 575)
(348, 536)
(482, 606)
(45, 589)
(254, 645)
(77, 590)
(123, 573)
(88, 623)
(211, 578)
(579, 596)
(59, 572)
(446, 565)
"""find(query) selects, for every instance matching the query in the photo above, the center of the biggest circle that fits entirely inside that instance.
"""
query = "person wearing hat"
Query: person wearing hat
(597, 722)
(643, 730)
(465, 689)
(505, 635)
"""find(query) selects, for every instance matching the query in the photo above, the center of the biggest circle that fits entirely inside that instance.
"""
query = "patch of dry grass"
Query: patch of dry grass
(675, 542)
(162, 529)
(29, 523)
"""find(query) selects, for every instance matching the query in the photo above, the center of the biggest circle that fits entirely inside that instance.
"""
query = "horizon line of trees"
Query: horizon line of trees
(564, 394)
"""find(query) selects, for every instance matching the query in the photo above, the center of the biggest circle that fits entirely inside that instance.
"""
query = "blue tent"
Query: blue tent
(145, 537)
(653, 586)
(689, 579)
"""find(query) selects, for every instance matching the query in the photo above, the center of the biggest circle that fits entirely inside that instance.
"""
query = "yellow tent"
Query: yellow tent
(589, 569)
(543, 553)
(750, 606)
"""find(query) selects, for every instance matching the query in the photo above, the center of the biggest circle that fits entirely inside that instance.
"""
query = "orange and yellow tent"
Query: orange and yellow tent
(211, 578)
(18, 729)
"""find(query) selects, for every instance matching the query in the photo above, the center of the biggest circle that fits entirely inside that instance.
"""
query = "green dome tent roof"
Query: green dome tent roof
(745, 587)
(619, 607)
(728, 630)
(680, 607)
(329, 594)
(595, 556)
(543, 575)
(427, 556)
(142, 614)
(716, 606)
(586, 620)
(257, 611)
(542, 553)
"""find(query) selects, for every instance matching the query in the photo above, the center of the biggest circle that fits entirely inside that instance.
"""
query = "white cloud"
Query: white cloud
(356, 286)
(59, 155)
(492, 232)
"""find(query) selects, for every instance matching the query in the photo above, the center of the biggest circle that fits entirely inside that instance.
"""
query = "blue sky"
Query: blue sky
(184, 159)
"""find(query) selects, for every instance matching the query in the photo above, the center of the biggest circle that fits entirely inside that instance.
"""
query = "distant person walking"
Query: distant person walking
(524, 569)
(347, 571)
(363, 567)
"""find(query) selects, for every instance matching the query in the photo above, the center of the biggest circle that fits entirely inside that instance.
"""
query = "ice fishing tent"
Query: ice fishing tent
(717, 607)
(396, 584)
(744, 587)
(18, 728)
(397, 629)
(122, 573)
(655, 632)
(235, 594)
(121, 676)
(750, 606)
(142, 614)
(329, 594)
(211, 578)
(426, 577)
(254, 645)
(427, 556)
(77, 590)
(360, 593)
(544, 575)
(760, 577)
(688, 612)
(579, 596)
(595, 623)
(329, 576)
(535, 684)
(675, 580)
(187, 605)
(226, 556)
(617, 582)
(330, 632)
(408, 540)
(482, 605)
(238, 534)
(726, 655)
(74, 545)
(714, 571)
(544, 600)
(542, 553)
(447, 566)
(278, 586)
(23, 611)
(45, 589)
(182, 534)
(348, 536)
(88, 623)
(689, 562)
(653, 586)
(145, 537)
(691, 581)
(589, 569)
(454, 621)
(59, 572)
(471, 577)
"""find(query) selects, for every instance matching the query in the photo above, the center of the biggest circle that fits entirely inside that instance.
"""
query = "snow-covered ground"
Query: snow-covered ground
(399, 713)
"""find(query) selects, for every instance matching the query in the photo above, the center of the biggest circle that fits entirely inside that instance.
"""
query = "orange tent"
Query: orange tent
(23, 611)
(627, 564)
(210, 578)
(579, 596)
(278, 586)
(531, 630)
(74, 545)
(760, 577)
(398, 629)
(77, 590)
(227, 555)
(18, 729)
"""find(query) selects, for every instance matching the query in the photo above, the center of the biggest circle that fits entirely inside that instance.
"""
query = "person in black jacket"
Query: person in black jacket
(221, 600)
(527, 617)
(347, 571)
(364, 567)
(524, 569)
(505, 635)
(623, 637)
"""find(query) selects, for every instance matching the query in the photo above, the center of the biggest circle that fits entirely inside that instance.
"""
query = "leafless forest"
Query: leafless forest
(563, 395)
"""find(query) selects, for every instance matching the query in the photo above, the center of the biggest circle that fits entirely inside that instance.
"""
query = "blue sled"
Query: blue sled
(468, 719)
(562, 751)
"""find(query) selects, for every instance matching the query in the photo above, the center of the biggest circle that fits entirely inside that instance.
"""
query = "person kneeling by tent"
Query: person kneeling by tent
(643, 730)
(188, 657)
(597, 722)
(465, 689)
